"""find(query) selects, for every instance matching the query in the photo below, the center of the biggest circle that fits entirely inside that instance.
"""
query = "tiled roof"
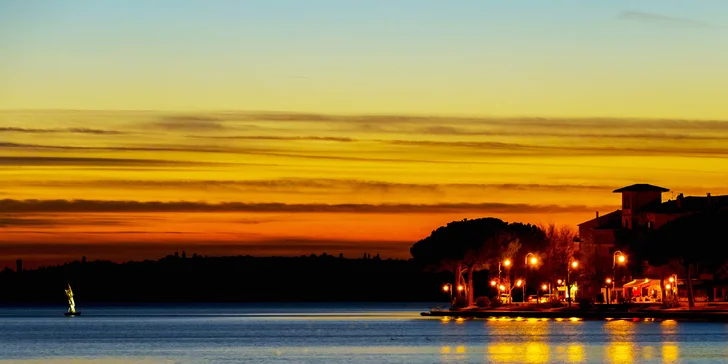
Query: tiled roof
(642, 187)
(606, 221)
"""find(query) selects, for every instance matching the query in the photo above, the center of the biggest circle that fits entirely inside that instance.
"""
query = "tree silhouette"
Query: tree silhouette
(467, 246)
(696, 241)
(559, 251)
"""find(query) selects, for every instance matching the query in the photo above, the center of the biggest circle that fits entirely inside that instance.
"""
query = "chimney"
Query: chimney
(679, 201)
(708, 200)
(19, 265)
(597, 214)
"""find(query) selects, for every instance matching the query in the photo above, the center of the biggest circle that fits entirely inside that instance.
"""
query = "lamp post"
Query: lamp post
(507, 265)
(558, 284)
(574, 265)
(617, 257)
(533, 261)
(448, 288)
(609, 281)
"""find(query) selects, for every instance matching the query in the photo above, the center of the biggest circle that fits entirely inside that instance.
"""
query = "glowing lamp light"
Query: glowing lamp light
(446, 288)
(507, 262)
(672, 279)
(460, 287)
(621, 259)
(502, 287)
(493, 283)
(534, 261)
(609, 280)
(667, 286)
(544, 287)
(574, 264)
(559, 281)
(519, 283)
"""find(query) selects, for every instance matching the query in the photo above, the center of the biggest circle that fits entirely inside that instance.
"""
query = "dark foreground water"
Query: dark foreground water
(339, 333)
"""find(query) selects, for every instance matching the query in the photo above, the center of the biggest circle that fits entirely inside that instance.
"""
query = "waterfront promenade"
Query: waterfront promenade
(717, 313)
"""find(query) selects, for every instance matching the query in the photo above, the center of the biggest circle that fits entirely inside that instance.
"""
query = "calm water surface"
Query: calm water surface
(339, 333)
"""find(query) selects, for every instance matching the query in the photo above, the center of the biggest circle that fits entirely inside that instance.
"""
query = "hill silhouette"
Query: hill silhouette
(178, 278)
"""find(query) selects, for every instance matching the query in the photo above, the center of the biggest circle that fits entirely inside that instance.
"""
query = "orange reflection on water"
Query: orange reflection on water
(670, 353)
(621, 335)
(445, 350)
(502, 353)
(620, 353)
(536, 353)
(575, 353)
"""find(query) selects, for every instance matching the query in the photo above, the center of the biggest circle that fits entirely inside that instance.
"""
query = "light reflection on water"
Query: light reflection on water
(295, 335)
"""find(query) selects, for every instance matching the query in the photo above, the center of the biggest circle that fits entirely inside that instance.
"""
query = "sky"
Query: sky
(130, 129)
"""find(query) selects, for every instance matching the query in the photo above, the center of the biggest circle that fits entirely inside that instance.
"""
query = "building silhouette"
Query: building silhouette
(642, 208)
(19, 265)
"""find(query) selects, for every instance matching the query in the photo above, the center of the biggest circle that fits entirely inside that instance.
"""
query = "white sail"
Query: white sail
(71, 303)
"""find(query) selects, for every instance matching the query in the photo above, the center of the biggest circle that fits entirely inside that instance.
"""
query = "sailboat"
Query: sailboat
(71, 304)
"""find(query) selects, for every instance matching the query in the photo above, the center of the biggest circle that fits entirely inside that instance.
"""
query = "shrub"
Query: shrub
(460, 302)
(495, 302)
(554, 303)
(482, 302)
(586, 303)
(671, 302)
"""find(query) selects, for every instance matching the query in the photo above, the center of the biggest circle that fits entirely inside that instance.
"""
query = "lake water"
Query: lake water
(339, 333)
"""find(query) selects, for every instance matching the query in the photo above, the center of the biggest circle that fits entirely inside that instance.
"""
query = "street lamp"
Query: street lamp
(533, 261)
(507, 264)
(574, 264)
(448, 288)
(617, 257)
(609, 281)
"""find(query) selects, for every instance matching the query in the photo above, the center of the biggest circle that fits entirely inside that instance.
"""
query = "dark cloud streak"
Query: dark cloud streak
(64, 130)
(75, 206)
(80, 161)
(297, 184)
(662, 20)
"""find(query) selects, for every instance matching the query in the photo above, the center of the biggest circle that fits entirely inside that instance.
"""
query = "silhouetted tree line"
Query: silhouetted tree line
(178, 278)
(469, 248)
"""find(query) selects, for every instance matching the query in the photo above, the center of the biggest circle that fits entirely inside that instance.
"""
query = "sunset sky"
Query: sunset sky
(133, 129)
